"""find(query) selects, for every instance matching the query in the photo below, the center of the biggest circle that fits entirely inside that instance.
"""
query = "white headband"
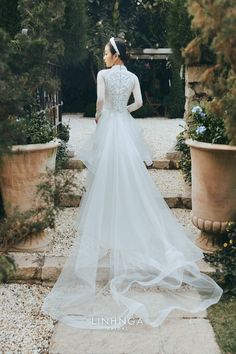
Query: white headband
(112, 40)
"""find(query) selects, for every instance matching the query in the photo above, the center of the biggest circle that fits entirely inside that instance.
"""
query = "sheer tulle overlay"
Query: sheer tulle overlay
(131, 258)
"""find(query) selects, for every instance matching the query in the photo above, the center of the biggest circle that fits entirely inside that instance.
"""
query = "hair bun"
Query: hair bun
(121, 45)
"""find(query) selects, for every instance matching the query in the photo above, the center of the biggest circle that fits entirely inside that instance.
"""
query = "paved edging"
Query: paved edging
(72, 200)
(46, 269)
(167, 164)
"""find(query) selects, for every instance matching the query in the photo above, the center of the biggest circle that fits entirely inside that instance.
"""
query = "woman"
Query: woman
(131, 258)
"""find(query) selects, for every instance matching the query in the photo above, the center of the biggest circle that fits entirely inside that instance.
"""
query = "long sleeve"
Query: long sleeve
(100, 91)
(138, 101)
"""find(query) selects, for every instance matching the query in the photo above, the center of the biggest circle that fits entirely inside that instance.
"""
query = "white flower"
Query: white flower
(196, 109)
(200, 129)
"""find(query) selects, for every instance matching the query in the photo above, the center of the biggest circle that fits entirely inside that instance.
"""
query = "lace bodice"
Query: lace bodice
(114, 87)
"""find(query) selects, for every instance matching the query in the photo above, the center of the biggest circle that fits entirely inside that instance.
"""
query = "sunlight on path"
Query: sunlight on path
(159, 133)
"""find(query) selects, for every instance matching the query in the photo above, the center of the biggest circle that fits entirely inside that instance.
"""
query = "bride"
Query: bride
(131, 259)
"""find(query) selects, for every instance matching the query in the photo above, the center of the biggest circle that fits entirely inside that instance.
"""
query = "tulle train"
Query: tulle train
(131, 258)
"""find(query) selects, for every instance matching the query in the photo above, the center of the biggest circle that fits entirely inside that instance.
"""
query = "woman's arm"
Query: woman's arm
(138, 101)
(100, 95)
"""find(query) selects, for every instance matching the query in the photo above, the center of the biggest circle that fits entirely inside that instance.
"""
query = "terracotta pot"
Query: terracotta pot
(20, 174)
(213, 191)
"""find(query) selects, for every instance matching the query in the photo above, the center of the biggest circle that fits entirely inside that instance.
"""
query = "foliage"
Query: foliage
(20, 225)
(7, 267)
(215, 24)
(101, 28)
(62, 157)
(44, 21)
(26, 63)
(90, 109)
(33, 127)
(205, 126)
(225, 261)
(12, 96)
(24, 69)
(62, 151)
(185, 160)
(26, 60)
(9, 17)
(223, 320)
(142, 23)
(74, 33)
(64, 132)
(78, 87)
(150, 23)
(145, 111)
(177, 95)
(42, 44)
(179, 32)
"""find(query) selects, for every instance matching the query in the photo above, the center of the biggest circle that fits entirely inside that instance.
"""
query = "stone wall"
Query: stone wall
(194, 90)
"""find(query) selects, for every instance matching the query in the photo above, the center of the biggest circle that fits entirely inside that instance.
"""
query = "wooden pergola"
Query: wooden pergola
(150, 53)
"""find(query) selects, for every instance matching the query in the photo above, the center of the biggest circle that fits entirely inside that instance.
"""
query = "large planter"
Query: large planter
(213, 191)
(20, 173)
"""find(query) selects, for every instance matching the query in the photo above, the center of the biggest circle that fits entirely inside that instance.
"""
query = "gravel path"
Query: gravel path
(63, 235)
(24, 329)
(159, 133)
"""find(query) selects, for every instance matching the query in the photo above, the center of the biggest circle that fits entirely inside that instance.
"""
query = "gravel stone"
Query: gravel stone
(24, 328)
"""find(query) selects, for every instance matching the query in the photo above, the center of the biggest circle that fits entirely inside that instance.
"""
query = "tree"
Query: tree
(9, 17)
(74, 33)
(179, 32)
(215, 23)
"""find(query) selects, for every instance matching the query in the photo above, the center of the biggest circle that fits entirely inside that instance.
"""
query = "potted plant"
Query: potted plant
(213, 173)
(211, 129)
(34, 49)
(24, 165)
(27, 147)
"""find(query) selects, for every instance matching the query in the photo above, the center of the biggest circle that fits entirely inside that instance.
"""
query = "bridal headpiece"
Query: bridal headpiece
(112, 40)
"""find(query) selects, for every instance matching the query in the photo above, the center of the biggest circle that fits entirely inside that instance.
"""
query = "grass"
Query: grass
(223, 320)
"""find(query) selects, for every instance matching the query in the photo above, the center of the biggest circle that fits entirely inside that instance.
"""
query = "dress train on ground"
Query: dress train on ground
(131, 258)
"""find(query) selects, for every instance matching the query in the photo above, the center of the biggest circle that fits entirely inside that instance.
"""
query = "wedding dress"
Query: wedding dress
(131, 259)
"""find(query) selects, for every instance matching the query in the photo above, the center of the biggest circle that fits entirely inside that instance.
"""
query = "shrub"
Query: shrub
(177, 95)
(145, 111)
(214, 22)
(225, 261)
(204, 125)
(90, 110)
(185, 160)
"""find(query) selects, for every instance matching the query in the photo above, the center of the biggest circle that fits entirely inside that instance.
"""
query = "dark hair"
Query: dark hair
(121, 45)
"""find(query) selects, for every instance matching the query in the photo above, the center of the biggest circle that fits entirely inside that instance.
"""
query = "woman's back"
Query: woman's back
(114, 87)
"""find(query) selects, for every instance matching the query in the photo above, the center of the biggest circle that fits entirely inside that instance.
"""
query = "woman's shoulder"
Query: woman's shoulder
(133, 75)
(101, 72)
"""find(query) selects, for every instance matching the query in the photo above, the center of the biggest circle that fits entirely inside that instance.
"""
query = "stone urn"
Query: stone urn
(20, 173)
(213, 191)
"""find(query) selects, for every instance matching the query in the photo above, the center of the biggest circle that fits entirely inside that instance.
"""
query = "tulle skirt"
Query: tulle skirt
(131, 259)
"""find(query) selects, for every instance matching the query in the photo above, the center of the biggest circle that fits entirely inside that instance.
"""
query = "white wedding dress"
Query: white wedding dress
(131, 259)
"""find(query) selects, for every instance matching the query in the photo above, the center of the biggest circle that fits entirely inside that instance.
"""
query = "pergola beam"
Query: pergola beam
(150, 53)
